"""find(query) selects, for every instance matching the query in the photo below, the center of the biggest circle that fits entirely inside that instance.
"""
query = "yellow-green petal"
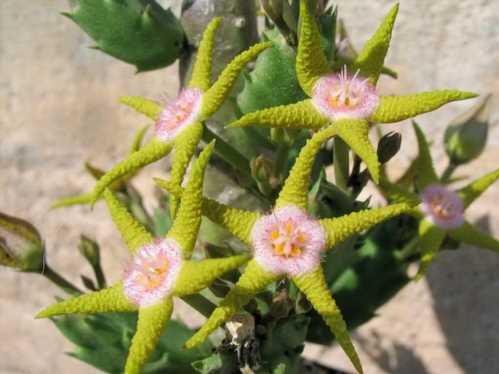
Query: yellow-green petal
(253, 280)
(218, 92)
(197, 275)
(186, 224)
(185, 146)
(133, 233)
(476, 188)
(398, 108)
(469, 234)
(138, 138)
(314, 286)
(425, 172)
(293, 116)
(311, 62)
(201, 72)
(150, 325)
(111, 299)
(147, 107)
(151, 152)
(431, 238)
(355, 133)
(397, 193)
(372, 56)
(295, 189)
(341, 228)
(237, 221)
(86, 198)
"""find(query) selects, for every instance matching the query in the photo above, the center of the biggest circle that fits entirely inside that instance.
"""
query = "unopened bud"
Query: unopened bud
(466, 135)
(388, 146)
(21, 246)
(90, 250)
(262, 170)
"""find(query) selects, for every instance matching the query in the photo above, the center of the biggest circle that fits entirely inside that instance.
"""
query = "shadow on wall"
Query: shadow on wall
(465, 290)
(396, 359)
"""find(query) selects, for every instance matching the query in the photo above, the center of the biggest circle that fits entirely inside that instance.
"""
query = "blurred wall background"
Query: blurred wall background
(58, 108)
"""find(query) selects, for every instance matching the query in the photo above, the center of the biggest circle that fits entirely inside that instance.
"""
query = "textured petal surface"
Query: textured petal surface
(201, 72)
(237, 221)
(469, 234)
(197, 275)
(473, 190)
(253, 280)
(150, 326)
(185, 146)
(151, 152)
(431, 238)
(311, 62)
(133, 233)
(300, 115)
(314, 286)
(216, 95)
(398, 108)
(147, 107)
(356, 134)
(295, 189)
(341, 228)
(110, 299)
(372, 56)
(186, 224)
(425, 172)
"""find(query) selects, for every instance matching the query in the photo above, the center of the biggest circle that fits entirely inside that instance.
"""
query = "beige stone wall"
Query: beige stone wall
(58, 107)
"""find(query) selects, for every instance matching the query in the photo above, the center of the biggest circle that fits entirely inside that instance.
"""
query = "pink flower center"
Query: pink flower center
(152, 272)
(179, 114)
(442, 206)
(347, 93)
(344, 96)
(288, 239)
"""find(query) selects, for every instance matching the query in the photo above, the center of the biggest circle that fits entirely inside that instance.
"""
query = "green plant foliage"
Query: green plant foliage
(139, 32)
(364, 274)
(273, 80)
(102, 340)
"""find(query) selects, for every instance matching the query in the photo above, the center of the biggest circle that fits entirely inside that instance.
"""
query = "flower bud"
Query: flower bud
(262, 170)
(388, 146)
(90, 250)
(466, 135)
(21, 246)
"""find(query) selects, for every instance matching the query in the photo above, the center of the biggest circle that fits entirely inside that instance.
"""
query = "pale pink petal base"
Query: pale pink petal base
(152, 272)
(179, 114)
(308, 234)
(442, 207)
(341, 95)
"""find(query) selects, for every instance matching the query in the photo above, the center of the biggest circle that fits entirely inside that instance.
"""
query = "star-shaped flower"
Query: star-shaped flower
(159, 270)
(340, 95)
(289, 243)
(441, 210)
(179, 124)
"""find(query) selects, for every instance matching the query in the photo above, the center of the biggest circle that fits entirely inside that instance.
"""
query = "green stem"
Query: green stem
(200, 303)
(59, 281)
(447, 174)
(341, 163)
